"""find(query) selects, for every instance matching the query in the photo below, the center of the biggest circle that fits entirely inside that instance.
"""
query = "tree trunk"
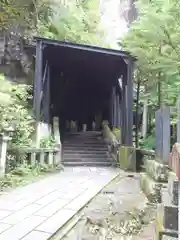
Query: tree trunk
(159, 91)
(145, 118)
(137, 116)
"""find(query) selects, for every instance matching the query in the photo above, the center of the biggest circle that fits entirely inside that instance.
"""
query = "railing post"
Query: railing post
(42, 157)
(3, 153)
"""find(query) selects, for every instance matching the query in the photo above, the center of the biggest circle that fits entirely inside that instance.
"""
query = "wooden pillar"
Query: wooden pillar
(129, 102)
(46, 95)
(38, 80)
(118, 111)
(114, 106)
(115, 109)
(123, 110)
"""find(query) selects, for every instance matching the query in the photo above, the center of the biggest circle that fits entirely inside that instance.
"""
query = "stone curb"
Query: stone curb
(150, 188)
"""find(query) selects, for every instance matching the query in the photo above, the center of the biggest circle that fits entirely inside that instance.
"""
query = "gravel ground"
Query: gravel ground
(119, 212)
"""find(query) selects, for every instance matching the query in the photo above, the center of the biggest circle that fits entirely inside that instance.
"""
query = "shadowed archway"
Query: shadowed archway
(75, 81)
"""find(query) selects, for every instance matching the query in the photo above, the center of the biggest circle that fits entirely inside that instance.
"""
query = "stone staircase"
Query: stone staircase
(86, 149)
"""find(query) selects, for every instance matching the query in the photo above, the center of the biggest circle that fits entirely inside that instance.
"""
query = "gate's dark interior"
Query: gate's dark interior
(81, 82)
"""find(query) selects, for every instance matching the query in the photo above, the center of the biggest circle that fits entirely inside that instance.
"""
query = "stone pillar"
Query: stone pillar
(56, 131)
(163, 134)
(3, 152)
(57, 139)
(41, 130)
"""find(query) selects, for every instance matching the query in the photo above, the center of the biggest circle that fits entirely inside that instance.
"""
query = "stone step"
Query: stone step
(78, 141)
(92, 164)
(78, 159)
(84, 137)
(84, 151)
(85, 155)
(84, 146)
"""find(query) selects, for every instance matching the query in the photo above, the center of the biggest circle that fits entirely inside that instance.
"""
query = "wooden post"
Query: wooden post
(38, 80)
(129, 101)
(118, 112)
(123, 110)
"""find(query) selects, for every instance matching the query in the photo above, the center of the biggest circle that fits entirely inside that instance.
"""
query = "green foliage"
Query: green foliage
(47, 142)
(154, 38)
(149, 142)
(75, 23)
(14, 112)
(23, 174)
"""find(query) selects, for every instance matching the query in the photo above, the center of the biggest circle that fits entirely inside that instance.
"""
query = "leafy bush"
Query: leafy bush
(14, 111)
(47, 142)
(149, 142)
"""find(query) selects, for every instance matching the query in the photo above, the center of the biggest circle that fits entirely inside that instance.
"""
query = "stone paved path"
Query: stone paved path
(38, 210)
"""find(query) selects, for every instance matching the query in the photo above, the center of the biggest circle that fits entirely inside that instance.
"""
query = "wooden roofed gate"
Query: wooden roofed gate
(78, 82)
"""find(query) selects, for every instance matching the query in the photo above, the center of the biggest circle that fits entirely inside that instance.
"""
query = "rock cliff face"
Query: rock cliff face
(15, 62)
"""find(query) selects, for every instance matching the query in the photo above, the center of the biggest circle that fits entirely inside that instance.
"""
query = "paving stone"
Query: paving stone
(48, 198)
(71, 193)
(52, 208)
(82, 199)
(4, 213)
(37, 235)
(4, 226)
(19, 230)
(13, 206)
(21, 214)
(56, 221)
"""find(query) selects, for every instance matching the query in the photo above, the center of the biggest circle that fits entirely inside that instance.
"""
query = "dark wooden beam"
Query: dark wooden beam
(129, 101)
(38, 80)
(123, 110)
(46, 96)
(118, 111)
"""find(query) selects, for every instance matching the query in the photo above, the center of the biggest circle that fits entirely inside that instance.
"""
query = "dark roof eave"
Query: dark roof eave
(85, 47)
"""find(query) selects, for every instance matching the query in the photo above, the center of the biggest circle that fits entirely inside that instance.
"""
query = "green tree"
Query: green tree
(154, 39)
(76, 22)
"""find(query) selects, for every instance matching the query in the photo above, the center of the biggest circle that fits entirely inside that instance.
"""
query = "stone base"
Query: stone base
(157, 171)
(151, 189)
(166, 221)
(173, 188)
(167, 217)
(127, 158)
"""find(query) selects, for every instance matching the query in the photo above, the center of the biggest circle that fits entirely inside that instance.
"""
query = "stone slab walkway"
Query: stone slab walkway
(38, 210)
